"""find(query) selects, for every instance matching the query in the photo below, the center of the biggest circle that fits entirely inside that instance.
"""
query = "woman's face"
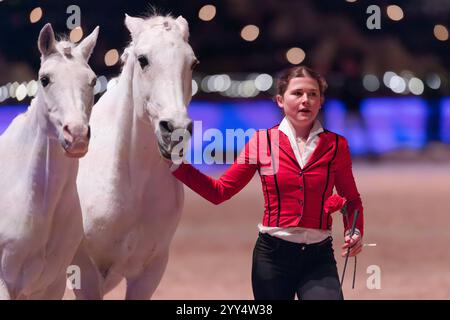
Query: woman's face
(301, 101)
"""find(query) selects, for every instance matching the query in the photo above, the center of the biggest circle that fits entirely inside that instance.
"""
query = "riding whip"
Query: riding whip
(352, 232)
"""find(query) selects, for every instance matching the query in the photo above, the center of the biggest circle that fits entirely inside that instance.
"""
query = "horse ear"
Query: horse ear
(87, 45)
(46, 40)
(184, 27)
(133, 25)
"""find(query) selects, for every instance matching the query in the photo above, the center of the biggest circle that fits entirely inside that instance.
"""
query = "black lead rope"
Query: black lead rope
(275, 178)
(352, 232)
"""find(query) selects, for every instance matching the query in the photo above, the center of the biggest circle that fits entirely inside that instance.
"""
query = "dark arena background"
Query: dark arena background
(387, 65)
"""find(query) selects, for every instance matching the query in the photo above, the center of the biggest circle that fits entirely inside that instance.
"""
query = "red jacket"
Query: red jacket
(295, 196)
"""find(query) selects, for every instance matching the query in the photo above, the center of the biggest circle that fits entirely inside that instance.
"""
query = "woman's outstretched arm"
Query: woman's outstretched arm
(231, 182)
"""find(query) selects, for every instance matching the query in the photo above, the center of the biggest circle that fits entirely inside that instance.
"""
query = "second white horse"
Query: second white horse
(40, 216)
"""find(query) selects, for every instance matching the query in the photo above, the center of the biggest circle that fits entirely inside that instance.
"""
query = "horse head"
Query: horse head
(67, 88)
(162, 76)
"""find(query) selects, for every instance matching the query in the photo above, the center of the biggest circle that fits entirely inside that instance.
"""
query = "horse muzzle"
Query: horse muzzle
(76, 149)
(167, 140)
(76, 141)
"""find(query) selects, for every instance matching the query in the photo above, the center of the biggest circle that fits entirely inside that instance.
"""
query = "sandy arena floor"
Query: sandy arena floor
(407, 214)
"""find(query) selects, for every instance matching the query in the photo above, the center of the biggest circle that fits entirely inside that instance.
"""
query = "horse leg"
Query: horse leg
(144, 285)
(111, 281)
(91, 281)
(55, 291)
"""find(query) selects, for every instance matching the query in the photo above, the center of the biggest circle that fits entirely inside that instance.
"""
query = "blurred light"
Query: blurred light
(263, 82)
(204, 84)
(371, 83)
(233, 90)
(295, 55)
(397, 84)
(207, 13)
(111, 57)
(12, 89)
(35, 15)
(5, 92)
(247, 89)
(250, 32)
(221, 83)
(433, 81)
(406, 75)
(103, 83)
(440, 32)
(194, 87)
(351, 1)
(218, 83)
(21, 92)
(32, 88)
(387, 77)
(210, 84)
(76, 34)
(394, 12)
(2, 92)
(415, 85)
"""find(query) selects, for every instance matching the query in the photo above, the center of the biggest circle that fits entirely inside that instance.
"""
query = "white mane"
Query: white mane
(166, 22)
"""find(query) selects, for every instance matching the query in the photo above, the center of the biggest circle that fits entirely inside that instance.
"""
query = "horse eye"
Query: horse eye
(45, 81)
(194, 64)
(143, 61)
(93, 82)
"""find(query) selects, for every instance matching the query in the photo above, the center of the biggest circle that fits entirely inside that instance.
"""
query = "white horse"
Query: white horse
(130, 201)
(40, 215)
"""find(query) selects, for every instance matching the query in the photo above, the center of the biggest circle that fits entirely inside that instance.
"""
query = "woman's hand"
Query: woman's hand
(354, 243)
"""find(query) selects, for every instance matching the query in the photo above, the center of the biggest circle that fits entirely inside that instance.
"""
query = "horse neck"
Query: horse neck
(47, 169)
(137, 143)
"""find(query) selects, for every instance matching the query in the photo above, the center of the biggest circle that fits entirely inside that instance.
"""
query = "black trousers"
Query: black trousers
(283, 269)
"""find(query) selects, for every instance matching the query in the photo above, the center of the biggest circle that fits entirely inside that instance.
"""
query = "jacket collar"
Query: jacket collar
(287, 128)
(323, 146)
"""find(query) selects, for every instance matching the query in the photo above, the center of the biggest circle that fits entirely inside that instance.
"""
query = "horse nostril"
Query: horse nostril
(66, 129)
(89, 133)
(166, 126)
(67, 134)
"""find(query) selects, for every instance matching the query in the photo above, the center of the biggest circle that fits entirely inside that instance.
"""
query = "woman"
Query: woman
(299, 163)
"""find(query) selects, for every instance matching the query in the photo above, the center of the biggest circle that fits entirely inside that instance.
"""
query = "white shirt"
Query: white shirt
(299, 234)
(310, 145)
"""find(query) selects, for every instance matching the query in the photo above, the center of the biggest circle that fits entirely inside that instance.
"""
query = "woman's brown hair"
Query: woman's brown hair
(299, 72)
